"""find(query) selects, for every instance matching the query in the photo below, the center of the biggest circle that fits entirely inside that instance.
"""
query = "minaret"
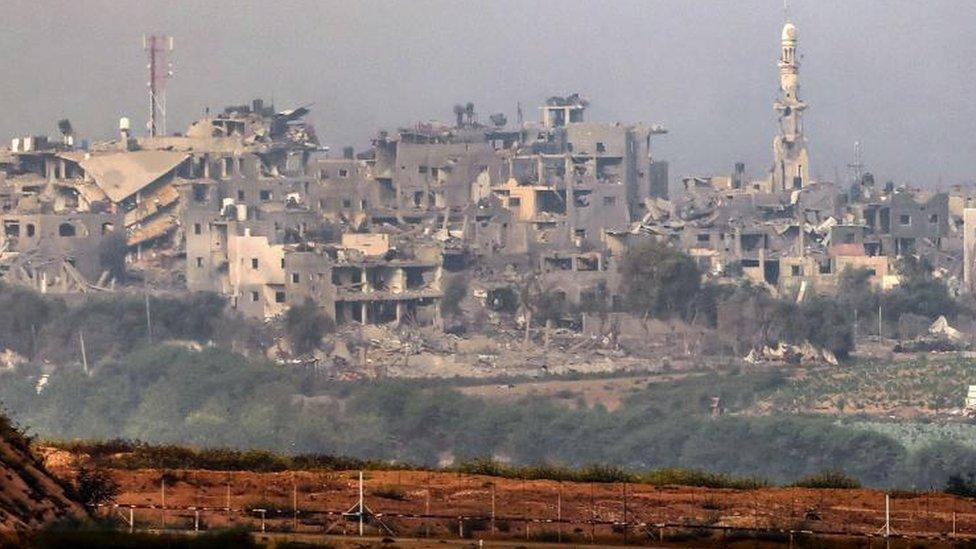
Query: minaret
(791, 168)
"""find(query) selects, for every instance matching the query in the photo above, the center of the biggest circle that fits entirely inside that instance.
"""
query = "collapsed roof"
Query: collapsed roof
(123, 174)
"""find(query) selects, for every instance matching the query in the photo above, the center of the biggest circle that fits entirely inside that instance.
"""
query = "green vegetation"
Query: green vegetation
(663, 282)
(873, 385)
(960, 485)
(659, 280)
(94, 486)
(828, 479)
(48, 329)
(213, 398)
(305, 325)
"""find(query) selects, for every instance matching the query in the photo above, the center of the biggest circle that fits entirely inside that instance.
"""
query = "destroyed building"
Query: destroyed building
(53, 238)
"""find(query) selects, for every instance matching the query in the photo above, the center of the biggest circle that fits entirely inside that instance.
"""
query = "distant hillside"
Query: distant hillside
(29, 495)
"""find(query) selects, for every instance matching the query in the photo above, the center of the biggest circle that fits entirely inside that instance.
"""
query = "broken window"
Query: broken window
(295, 278)
(197, 228)
(588, 263)
(199, 262)
(421, 169)
(796, 270)
(559, 263)
(11, 229)
(323, 174)
(226, 167)
(609, 200)
(905, 219)
(240, 195)
(934, 218)
(601, 147)
(343, 172)
(704, 237)
(418, 198)
(254, 263)
(514, 201)
(199, 193)
(255, 297)
(67, 230)
(279, 297)
(31, 229)
(346, 203)
(265, 195)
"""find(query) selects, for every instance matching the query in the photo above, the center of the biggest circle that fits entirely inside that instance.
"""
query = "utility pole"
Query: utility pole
(148, 314)
(880, 334)
(84, 355)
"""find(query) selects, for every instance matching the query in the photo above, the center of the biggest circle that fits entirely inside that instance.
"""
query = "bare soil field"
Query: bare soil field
(418, 503)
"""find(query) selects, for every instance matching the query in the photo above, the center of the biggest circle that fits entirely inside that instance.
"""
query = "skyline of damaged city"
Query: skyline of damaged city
(693, 274)
(697, 69)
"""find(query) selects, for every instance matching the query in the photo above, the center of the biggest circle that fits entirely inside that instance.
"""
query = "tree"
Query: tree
(919, 293)
(823, 322)
(95, 486)
(305, 325)
(459, 115)
(659, 280)
(23, 313)
(855, 292)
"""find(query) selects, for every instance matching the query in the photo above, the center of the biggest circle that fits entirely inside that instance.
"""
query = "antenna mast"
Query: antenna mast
(857, 166)
(160, 70)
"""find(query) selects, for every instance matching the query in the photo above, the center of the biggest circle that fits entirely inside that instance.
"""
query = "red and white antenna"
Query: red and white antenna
(160, 70)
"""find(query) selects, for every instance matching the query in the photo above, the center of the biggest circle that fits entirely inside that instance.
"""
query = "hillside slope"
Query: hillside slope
(29, 495)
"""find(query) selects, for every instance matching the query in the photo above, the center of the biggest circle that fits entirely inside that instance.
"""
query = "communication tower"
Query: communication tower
(160, 70)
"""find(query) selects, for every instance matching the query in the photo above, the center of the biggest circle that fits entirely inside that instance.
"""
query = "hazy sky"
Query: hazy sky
(896, 74)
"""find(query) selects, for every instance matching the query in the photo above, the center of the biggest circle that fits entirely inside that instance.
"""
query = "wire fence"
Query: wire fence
(475, 507)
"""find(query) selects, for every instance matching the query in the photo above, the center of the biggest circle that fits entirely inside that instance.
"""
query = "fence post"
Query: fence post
(559, 512)
(492, 508)
(162, 491)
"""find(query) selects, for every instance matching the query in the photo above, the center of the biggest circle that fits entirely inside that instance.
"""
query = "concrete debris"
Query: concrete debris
(793, 354)
(10, 359)
(942, 328)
